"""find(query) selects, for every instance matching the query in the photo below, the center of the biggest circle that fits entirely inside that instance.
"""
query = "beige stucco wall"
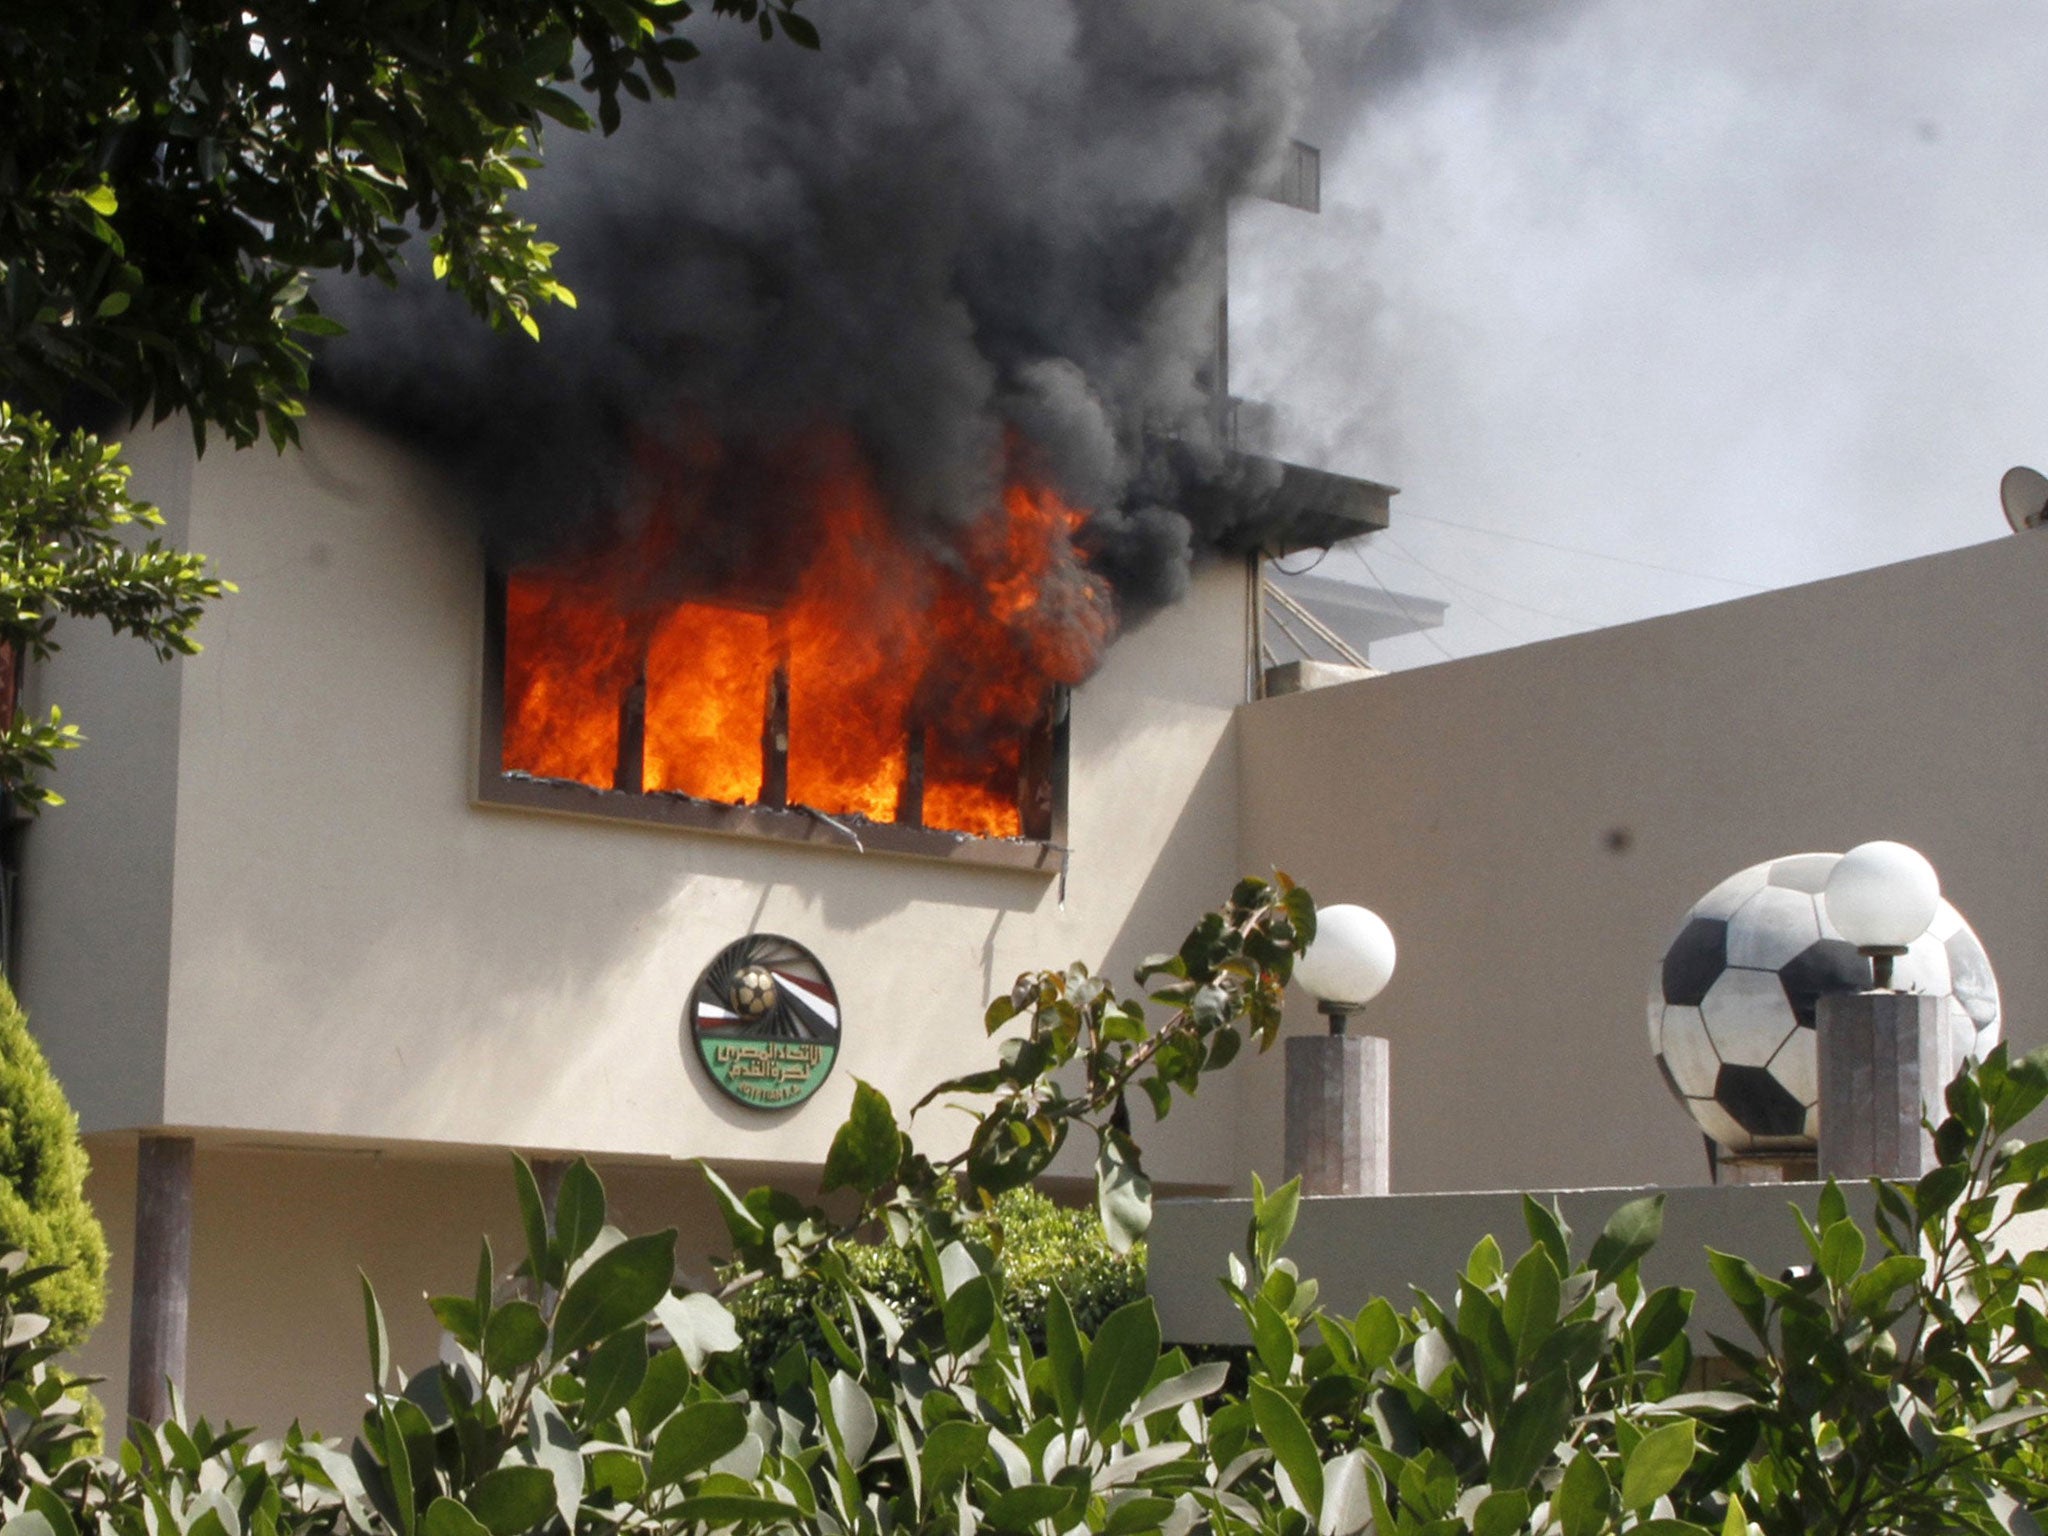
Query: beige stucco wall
(96, 872)
(1360, 1247)
(1533, 824)
(279, 1234)
(356, 950)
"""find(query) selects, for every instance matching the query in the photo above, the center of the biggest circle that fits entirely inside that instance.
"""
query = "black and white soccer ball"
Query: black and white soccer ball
(753, 992)
(1732, 1004)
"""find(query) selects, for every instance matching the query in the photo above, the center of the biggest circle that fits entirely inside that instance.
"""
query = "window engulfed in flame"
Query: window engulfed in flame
(874, 678)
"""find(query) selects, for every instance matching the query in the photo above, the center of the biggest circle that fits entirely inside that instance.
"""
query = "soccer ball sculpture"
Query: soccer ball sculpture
(1732, 1005)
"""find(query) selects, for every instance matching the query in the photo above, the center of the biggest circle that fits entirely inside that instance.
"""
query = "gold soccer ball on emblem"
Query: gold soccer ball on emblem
(753, 992)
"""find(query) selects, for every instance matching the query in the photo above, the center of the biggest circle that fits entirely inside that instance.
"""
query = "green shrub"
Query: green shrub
(1896, 1385)
(1043, 1245)
(43, 1209)
(1047, 1245)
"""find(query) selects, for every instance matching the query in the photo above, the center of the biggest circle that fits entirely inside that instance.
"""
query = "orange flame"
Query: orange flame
(884, 645)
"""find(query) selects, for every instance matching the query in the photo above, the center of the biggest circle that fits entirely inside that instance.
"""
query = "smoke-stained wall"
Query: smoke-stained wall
(981, 237)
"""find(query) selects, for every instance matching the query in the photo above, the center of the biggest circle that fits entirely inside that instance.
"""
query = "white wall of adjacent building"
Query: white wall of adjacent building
(1534, 824)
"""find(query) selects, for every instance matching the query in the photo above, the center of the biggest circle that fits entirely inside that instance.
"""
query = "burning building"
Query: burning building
(839, 676)
(866, 562)
(871, 564)
(871, 424)
(300, 916)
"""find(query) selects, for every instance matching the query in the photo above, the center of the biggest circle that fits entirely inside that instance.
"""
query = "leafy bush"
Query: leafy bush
(1044, 1246)
(1897, 1384)
(43, 1209)
(1049, 1247)
(43, 1408)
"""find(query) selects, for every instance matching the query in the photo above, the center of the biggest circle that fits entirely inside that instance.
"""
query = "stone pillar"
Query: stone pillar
(1883, 1058)
(1337, 1114)
(163, 1275)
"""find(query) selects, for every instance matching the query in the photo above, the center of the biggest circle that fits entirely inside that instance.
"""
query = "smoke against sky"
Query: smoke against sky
(962, 219)
(1747, 291)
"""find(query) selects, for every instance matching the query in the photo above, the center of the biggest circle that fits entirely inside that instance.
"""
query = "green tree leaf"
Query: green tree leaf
(1583, 1496)
(1065, 1354)
(693, 1438)
(867, 1148)
(1281, 1425)
(1020, 1508)
(620, 1288)
(512, 1499)
(951, 1451)
(614, 1373)
(667, 1379)
(968, 1314)
(1529, 1310)
(1665, 1312)
(1653, 1468)
(445, 1517)
(1630, 1233)
(533, 1220)
(1123, 1194)
(1501, 1513)
(1530, 1432)
(1378, 1332)
(379, 1336)
(1273, 1219)
(1120, 1363)
(1841, 1253)
(579, 1212)
(710, 1511)
(514, 1338)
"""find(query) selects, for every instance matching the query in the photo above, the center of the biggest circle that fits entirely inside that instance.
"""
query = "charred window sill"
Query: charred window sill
(497, 785)
(849, 834)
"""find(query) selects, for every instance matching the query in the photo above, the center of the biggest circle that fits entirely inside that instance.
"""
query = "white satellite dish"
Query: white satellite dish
(2025, 494)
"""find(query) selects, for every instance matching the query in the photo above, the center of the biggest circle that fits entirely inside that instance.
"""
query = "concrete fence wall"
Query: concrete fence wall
(1534, 824)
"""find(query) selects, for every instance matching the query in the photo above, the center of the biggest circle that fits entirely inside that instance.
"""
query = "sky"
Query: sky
(1645, 306)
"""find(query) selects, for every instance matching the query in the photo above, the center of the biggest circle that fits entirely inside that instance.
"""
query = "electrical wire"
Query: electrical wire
(1321, 555)
(1481, 592)
(1590, 554)
(1418, 626)
(1514, 635)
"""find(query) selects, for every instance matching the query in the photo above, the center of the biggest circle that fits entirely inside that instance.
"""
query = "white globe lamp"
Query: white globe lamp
(1349, 963)
(1881, 897)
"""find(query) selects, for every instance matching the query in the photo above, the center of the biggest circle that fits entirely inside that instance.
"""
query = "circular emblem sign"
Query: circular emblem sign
(765, 1019)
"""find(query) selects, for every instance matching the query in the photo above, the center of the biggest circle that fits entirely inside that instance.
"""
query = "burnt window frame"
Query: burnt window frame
(794, 824)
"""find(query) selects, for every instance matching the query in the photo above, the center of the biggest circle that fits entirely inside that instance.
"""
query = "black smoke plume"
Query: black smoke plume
(966, 229)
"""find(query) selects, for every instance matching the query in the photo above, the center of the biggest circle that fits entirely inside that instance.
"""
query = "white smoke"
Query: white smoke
(1730, 294)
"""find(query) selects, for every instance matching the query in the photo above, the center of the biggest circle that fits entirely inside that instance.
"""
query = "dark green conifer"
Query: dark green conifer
(43, 1209)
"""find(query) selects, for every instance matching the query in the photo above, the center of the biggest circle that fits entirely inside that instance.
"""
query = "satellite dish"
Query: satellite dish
(2025, 494)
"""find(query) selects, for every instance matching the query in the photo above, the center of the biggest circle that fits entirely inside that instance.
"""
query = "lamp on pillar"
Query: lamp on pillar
(1882, 1054)
(1337, 1141)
